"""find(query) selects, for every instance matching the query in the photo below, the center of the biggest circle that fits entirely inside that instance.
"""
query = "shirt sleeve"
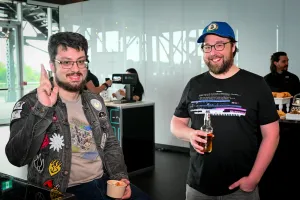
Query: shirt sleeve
(296, 86)
(88, 76)
(182, 108)
(267, 112)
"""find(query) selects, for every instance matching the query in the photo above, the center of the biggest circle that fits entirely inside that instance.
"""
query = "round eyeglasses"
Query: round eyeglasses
(67, 64)
(218, 47)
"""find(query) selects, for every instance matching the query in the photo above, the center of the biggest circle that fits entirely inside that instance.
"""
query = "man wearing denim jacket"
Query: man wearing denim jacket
(62, 132)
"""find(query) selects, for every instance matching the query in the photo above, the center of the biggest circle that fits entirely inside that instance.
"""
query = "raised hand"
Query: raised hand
(46, 95)
(109, 82)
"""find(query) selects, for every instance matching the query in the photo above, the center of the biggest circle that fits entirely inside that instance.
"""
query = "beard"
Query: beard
(215, 68)
(70, 87)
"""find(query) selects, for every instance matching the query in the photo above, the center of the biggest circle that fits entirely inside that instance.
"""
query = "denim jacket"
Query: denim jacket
(40, 138)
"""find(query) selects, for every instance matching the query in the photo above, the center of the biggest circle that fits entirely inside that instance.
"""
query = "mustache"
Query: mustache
(75, 73)
(214, 56)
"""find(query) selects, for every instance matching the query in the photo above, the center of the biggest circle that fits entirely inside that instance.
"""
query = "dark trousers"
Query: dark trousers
(96, 190)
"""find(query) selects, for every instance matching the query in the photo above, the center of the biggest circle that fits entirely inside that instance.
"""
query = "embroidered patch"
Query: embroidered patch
(55, 194)
(15, 115)
(57, 142)
(19, 105)
(54, 118)
(102, 115)
(48, 184)
(96, 104)
(45, 141)
(39, 163)
(103, 140)
(54, 167)
(39, 196)
(212, 27)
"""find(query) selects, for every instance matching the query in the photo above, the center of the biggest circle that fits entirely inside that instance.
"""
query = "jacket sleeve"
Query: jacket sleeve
(29, 121)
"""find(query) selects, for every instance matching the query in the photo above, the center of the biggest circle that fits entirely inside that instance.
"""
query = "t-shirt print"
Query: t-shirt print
(82, 140)
(219, 103)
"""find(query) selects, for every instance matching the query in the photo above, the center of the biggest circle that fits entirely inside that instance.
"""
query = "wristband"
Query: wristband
(106, 85)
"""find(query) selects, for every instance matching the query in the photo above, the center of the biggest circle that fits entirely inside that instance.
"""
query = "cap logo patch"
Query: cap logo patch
(212, 27)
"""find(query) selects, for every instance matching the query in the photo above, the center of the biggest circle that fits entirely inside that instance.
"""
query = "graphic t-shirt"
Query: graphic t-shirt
(238, 106)
(86, 163)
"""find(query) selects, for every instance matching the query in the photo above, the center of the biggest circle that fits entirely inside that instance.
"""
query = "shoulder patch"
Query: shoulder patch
(96, 104)
(15, 115)
(19, 105)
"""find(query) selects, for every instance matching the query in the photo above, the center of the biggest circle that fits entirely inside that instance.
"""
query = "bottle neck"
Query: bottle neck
(207, 119)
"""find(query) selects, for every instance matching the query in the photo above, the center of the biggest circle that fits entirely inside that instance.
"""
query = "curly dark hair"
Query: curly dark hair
(275, 58)
(66, 39)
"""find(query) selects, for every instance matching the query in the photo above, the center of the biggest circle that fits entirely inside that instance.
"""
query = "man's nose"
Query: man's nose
(213, 51)
(75, 67)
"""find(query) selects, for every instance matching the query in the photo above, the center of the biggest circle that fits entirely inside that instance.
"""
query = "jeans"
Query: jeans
(96, 190)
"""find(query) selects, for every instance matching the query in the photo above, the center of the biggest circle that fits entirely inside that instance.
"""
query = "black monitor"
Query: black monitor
(128, 80)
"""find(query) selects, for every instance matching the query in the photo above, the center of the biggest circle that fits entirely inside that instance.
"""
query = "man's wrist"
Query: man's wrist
(106, 85)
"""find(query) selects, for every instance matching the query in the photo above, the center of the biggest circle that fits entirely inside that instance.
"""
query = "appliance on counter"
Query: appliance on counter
(128, 80)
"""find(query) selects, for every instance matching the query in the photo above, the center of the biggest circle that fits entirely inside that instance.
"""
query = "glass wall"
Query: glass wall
(23, 48)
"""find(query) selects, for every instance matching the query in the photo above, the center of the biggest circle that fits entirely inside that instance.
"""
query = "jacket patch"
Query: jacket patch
(39, 196)
(16, 115)
(55, 194)
(103, 115)
(103, 141)
(45, 141)
(54, 118)
(48, 184)
(19, 105)
(57, 142)
(96, 104)
(54, 167)
(39, 163)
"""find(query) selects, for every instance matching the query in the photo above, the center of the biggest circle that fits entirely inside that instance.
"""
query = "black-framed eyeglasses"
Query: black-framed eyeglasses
(218, 47)
(67, 64)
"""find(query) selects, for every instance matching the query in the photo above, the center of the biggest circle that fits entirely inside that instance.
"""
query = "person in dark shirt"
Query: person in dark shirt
(92, 83)
(280, 79)
(138, 89)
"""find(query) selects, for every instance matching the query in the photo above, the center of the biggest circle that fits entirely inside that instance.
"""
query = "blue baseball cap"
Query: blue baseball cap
(221, 29)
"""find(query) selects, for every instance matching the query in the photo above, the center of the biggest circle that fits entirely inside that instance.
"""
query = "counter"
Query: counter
(133, 125)
(281, 177)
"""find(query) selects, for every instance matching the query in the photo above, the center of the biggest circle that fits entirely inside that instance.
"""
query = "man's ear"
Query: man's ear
(52, 66)
(233, 47)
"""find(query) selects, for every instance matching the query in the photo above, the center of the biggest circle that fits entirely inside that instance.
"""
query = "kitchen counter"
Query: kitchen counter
(133, 125)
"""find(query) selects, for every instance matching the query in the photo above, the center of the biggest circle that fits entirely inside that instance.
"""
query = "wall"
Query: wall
(158, 38)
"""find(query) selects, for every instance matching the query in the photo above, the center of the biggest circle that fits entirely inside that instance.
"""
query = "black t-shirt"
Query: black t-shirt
(285, 82)
(238, 106)
(138, 90)
(91, 77)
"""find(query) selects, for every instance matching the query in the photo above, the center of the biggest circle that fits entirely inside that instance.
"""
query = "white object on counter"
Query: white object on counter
(118, 94)
(290, 116)
(281, 101)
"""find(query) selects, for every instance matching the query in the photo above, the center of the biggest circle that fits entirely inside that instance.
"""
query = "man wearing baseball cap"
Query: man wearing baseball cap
(242, 108)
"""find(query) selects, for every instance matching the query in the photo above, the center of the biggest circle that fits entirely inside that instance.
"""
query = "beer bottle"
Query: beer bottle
(208, 129)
